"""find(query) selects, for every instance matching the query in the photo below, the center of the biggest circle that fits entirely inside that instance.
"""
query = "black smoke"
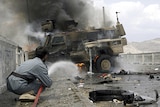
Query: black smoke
(17, 14)
(36, 11)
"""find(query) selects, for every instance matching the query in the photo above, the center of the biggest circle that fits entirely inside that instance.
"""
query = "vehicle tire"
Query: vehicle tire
(104, 63)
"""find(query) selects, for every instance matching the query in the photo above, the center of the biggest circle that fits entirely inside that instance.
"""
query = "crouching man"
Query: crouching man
(30, 75)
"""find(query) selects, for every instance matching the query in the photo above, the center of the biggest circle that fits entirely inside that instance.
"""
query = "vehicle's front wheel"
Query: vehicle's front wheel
(104, 63)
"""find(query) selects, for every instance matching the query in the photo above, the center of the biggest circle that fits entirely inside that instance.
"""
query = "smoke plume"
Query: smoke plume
(16, 15)
(68, 68)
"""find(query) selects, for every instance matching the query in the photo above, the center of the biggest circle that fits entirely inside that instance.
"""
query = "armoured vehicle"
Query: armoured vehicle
(95, 48)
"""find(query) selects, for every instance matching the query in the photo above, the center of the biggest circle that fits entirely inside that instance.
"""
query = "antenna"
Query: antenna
(117, 16)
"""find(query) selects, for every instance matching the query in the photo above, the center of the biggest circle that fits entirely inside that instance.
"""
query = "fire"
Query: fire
(80, 66)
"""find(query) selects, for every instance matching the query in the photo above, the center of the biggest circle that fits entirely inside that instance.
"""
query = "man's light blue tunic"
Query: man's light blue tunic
(33, 69)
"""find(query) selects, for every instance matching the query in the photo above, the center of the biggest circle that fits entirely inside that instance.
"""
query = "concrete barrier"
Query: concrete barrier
(141, 62)
(9, 54)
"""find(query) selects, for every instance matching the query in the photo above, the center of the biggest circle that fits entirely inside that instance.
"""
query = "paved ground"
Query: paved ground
(67, 92)
(64, 93)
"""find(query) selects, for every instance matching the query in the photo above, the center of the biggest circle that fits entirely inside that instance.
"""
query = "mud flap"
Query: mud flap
(109, 95)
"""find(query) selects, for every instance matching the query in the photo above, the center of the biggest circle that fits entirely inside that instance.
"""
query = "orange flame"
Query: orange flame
(80, 66)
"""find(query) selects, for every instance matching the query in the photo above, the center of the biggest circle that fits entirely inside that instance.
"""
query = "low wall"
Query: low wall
(7, 60)
(140, 63)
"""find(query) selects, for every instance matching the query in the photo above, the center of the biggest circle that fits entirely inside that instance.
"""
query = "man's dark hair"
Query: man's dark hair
(41, 52)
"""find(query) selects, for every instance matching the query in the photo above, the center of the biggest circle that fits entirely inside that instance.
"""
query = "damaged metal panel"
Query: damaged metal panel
(109, 95)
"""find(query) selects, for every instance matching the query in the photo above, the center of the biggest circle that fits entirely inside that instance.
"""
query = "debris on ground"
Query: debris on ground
(151, 76)
(109, 95)
(106, 78)
(123, 72)
(122, 96)
(64, 93)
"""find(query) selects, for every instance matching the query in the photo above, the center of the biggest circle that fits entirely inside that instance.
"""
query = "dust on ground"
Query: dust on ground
(65, 93)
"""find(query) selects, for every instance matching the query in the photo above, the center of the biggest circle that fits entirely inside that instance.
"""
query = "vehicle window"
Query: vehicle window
(116, 42)
(58, 40)
(109, 34)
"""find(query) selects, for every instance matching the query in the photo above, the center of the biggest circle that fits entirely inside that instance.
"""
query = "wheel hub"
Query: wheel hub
(105, 65)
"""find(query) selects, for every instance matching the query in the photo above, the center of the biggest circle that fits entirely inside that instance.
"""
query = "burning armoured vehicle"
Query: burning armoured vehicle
(95, 48)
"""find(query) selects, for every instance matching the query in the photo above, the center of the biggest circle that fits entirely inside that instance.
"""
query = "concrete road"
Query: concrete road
(64, 93)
